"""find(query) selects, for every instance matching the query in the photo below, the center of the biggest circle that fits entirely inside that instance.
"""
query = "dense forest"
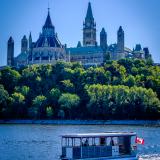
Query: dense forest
(124, 89)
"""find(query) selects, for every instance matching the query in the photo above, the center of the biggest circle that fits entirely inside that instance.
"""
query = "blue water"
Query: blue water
(42, 142)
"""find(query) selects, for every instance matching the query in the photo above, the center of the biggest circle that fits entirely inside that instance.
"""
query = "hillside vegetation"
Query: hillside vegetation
(124, 89)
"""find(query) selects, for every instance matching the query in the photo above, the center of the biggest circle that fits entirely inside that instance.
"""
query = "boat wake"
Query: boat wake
(150, 157)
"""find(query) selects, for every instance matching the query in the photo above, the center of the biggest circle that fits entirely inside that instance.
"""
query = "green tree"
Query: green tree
(68, 103)
(24, 90)
(4, 96)
(17, 103)
(38, 110)
(130, 81)
(9, 78)
(99, 103)
(49, 112)
(68, 86)
(53, 97)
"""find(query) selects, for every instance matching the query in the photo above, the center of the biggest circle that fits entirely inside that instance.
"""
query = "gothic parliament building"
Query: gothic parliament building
(48, 48)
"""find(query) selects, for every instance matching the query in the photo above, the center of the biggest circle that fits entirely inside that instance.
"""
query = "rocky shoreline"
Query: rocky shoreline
(85, 122)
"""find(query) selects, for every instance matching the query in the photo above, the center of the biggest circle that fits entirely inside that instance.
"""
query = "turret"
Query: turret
(24, 44)
(120, 40)
(48, 28)
(89, 28)
(146, 53)
(30, 41)
(79, 44)
(10, 52)
(103, 39)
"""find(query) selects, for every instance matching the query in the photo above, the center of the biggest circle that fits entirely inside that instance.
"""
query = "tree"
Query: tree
(24, 90)
(68, 86)
(130, 81)
(52, 99)
(68, 103)
(9, 78)
(17, 103)
(45, 89)
(54, 95)
(49, 112)
(4, 96)
(99, 101)
(38, 110)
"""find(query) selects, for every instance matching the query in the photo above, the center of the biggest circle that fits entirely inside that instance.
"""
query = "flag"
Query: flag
(139, 140)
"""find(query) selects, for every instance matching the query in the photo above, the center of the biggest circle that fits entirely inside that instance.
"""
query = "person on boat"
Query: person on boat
(102, 141)
(86, 143)
(112, 142)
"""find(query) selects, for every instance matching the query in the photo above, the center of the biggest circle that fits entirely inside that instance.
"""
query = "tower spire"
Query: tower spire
(48, 7)
(89, 15)
(48, 23)
(30, 40)
(10, 52)
(120, 40)
(89, 28)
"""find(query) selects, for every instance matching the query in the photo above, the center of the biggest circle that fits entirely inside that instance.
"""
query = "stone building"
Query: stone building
(10, 52)
(90, 53)
(48, 48)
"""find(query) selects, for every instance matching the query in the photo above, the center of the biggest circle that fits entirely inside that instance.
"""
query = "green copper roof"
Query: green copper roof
(89, 12)
(85, 50)
(22, 56)
(48, 23)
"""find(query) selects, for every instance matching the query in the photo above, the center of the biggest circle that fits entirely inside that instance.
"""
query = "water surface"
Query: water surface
(43, 142)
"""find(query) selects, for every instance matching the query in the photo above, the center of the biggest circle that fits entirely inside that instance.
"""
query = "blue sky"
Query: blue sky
(140, 20)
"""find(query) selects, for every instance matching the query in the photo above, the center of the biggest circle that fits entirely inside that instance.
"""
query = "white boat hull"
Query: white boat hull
(111, 158)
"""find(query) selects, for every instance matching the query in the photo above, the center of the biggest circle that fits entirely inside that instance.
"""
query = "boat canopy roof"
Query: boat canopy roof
(96, 135)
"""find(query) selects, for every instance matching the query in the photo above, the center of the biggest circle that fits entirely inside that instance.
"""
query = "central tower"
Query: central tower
(89, 29)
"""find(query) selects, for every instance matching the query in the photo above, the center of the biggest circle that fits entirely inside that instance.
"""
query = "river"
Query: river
(43, 142)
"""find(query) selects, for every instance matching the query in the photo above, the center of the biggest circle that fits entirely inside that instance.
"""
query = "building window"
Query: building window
(88, 35)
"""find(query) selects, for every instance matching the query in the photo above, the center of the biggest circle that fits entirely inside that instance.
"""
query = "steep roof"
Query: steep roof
(89, 15)
(48, 38)
(120, 29)
(48, 22)
(103, 31)
(48, 42)
(85, 50)
(11, 40)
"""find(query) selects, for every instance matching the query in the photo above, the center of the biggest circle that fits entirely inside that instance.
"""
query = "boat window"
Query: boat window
(115, 141)
(108, 141)
(111, 141)
(85, 142)
(102, 141)
(124, 145)
(97, 141)
(76, 142)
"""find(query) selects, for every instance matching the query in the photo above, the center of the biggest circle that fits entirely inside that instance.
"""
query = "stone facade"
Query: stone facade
(48, 48)
(10, 52)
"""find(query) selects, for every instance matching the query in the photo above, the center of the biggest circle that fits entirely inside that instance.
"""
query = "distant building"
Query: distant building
(90, 53)
(10, 52)
(48, 48)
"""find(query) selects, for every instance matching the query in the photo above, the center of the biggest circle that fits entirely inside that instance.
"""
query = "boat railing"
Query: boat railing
(96, 151)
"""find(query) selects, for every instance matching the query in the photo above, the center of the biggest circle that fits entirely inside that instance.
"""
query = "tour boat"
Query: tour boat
(99, 146)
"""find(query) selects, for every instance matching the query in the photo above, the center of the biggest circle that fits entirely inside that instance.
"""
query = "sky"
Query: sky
(140, 20)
